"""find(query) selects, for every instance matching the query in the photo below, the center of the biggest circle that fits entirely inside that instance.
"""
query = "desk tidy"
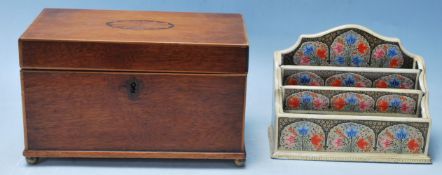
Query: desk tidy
(132, 84)
(349, 94)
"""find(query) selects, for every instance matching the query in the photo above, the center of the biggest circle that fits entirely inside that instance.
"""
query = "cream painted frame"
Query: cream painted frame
(339, 156)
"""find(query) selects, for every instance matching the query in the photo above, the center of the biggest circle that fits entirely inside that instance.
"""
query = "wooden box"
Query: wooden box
(349, 94)
(127, 84)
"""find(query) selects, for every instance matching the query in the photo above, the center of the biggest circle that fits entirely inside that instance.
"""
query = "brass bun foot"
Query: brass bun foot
(239, 162)
(32, 160)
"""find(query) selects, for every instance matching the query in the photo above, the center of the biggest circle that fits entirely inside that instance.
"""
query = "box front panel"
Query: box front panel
(144, 112)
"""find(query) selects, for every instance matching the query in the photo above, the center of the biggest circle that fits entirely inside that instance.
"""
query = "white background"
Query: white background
(272, 25)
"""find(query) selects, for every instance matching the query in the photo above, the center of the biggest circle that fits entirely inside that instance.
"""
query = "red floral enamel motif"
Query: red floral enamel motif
(302, 136)
(387, 55)
(307, 100)
(348, 80)
(304, 78)
(352, 102)
(311, 53)
(351, 137)
(350, 49)
(394, 81)
(396, 104)
(400, 138)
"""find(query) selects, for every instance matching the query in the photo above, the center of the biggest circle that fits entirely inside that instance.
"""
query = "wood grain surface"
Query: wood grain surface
(71, 39)
(135, 154)
(133, 84)
(61, 55)
(93, 25)
(87, 111)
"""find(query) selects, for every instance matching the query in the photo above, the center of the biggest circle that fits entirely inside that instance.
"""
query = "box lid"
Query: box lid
(72, 39)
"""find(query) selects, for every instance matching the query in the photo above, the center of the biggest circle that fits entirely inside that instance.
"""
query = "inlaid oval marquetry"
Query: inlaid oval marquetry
(348, 80)
(394, 81)
(307, 100)
(304, 78)
(140, 24)
(352, 102)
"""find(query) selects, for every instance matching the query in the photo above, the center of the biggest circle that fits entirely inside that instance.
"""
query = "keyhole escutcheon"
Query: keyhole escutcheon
(133, 87)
